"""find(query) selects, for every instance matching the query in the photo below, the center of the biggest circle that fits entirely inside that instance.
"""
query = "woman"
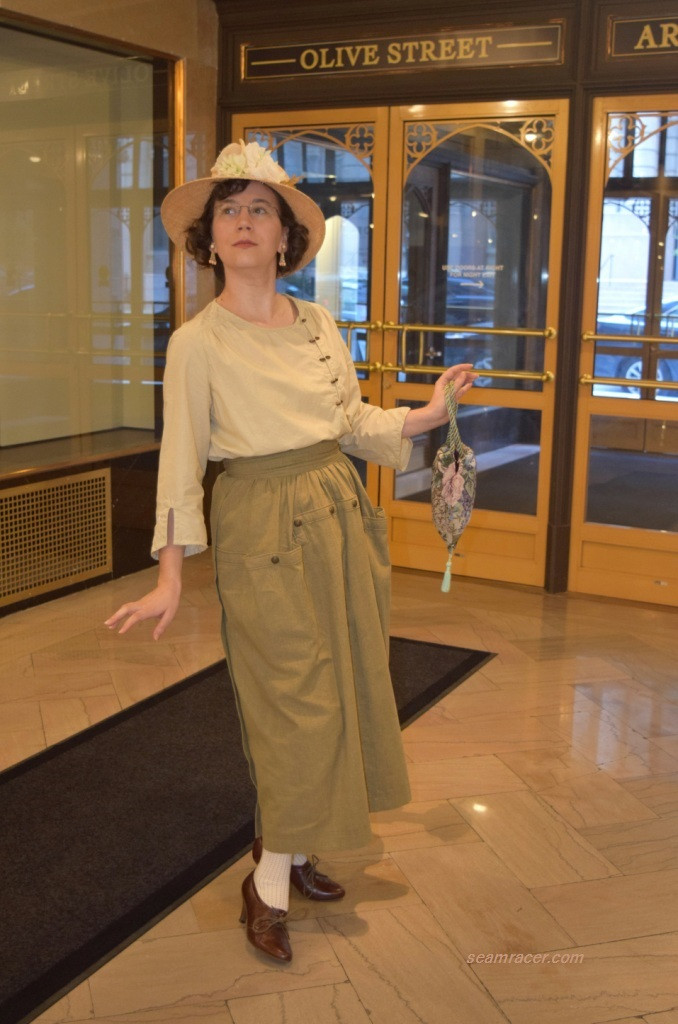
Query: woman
(267, 385)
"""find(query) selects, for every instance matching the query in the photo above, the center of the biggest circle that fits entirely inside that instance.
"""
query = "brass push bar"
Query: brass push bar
(377, 325)
(635, 339)
(404, 367)
(438, 370)
(547, 332)
(624, 382)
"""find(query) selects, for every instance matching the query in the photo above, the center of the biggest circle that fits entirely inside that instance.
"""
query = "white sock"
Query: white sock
(298, 859)
(272, 879)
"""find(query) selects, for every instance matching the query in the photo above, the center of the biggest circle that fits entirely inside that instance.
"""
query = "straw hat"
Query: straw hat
(250, 162)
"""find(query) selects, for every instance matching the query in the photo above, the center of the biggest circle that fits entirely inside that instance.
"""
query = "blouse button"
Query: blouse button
(332, 510)
(355, 503)
(275, 559)
(297, 522)
(338, 403)
(334, 380)
(323, 359)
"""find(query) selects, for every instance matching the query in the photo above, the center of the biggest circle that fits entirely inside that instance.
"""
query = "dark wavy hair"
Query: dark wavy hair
(199, 234)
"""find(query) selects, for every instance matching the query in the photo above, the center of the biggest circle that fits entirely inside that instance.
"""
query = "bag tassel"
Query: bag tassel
(447, 578)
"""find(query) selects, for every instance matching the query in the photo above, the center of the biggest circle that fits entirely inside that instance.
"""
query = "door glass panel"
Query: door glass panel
(475, 224)
(633, 473)
(638, 268)
(333, 167)
(506, 446)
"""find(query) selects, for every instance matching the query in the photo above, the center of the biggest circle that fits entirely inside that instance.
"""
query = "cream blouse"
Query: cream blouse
(233, 389)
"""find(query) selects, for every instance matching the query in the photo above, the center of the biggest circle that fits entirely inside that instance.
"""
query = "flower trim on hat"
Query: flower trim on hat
(251, 161)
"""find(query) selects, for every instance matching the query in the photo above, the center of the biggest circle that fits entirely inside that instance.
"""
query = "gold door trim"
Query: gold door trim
(615, 560)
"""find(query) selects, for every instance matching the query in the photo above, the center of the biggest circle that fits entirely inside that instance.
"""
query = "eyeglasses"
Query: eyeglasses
(259, 209)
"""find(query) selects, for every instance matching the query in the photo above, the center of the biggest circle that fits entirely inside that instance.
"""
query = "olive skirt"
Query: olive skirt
(303, 574)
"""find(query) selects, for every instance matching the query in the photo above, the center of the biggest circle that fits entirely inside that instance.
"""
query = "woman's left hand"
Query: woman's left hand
(435, 413)
(463, 376)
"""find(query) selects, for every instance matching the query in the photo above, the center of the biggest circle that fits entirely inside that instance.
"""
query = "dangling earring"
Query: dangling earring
(282, 262)
(213, 259)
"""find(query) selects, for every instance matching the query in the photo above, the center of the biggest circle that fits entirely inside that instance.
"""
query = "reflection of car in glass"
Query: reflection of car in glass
(624, 359)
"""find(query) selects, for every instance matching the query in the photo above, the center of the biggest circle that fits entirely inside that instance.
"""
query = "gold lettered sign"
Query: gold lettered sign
(524, 44)
(639, 37)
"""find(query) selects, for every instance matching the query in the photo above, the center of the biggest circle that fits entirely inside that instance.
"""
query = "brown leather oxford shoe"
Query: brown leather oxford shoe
(266, 928)
(306, 880)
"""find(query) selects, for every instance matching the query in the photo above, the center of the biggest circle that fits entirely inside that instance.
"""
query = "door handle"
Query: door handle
(635, 339)
(625, 382)
(404, 367)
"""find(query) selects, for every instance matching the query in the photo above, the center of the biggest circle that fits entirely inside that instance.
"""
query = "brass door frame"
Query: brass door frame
(504, 546)
(616, 561)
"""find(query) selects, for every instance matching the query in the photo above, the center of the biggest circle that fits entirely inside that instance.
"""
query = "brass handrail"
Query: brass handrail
(641, 339)
(625, 382)
(389, 325)
(527, 332)
(404, 367)
(547, 375)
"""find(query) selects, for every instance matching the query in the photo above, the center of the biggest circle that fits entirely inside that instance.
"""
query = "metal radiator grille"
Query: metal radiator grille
(54, 533)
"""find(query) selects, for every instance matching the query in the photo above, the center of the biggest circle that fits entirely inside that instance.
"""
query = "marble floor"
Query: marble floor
(532, 880)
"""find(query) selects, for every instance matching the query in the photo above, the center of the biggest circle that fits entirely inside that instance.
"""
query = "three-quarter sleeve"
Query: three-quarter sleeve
(185, 443)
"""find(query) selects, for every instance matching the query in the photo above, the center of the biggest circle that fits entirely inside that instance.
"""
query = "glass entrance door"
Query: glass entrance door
(444, 227)
(476, 260)
(625, 513)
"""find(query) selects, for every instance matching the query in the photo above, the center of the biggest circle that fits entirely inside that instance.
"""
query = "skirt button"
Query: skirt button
(297, 522)
(275, 559)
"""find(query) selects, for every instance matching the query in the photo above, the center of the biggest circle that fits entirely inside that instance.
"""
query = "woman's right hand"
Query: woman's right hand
(161, 603)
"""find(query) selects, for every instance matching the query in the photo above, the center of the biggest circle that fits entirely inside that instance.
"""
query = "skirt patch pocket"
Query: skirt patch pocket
(266, 601)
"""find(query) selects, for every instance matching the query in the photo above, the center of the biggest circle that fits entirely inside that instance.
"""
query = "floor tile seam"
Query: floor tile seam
(601, 773)
(450, 944)
(653, 747)
(288, 991)
(462, 957)
(659, 701)
(613, 881)
(594, 769)
(521, 713)
(573, 834)
(657, 817)
(583, 946)
(624, 845)
(630, 735)
(371, 967)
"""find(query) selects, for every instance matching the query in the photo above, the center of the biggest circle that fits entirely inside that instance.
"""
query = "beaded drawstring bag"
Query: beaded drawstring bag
(453, 489)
